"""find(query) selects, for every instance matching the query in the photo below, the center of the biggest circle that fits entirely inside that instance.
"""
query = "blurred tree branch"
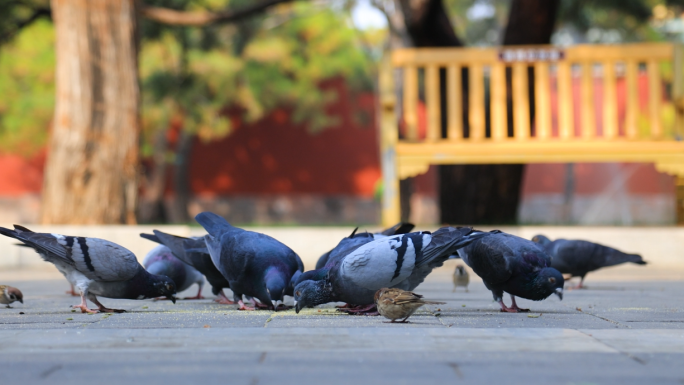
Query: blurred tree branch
(174, 17)
(22, 23)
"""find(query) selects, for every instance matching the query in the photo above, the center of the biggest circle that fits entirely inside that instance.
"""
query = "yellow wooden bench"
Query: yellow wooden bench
(654, 135)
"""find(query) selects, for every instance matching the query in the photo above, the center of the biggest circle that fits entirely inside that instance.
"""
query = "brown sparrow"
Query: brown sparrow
(395, 303)
(461, 278)
(9, 294)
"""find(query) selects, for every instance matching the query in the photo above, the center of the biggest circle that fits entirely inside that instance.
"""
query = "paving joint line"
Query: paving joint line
(606, 319)
(626, 354)
(439, 318)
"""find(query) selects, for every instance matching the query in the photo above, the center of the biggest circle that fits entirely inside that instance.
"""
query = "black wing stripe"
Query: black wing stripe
(86, 256)
(401, 252)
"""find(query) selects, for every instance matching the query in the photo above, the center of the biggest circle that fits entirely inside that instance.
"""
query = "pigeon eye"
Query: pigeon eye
(298, 293)
(552, 280)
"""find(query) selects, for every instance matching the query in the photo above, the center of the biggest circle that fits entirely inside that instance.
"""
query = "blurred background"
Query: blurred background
(266, 112)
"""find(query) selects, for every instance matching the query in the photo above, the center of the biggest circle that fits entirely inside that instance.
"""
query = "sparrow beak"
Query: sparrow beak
(559, 293)
(21, 300)
(172, 298)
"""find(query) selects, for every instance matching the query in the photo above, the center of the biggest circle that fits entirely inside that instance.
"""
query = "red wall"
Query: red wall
(271, 156)
(275, 156)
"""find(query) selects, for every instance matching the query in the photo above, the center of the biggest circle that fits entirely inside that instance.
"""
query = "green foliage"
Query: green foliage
(16, 14)
(590, 21)
(27, 66)
(278, 59)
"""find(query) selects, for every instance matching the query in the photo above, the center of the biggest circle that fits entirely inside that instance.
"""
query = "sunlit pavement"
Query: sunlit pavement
(613, 332)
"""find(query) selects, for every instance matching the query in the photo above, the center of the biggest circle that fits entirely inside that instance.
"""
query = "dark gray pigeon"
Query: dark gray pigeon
(399, 228)
(514, 265)
(254, 264)
(161, 261)
(400, 261)
(198, 258)
(577, 257)
(96, 267)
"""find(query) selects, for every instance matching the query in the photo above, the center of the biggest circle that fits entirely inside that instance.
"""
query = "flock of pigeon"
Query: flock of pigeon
(372, 273)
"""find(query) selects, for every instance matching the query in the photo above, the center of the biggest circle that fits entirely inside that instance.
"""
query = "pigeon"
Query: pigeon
(399, 228)
(460, 278)
(9, 294)
(577, 257)
(254, 264)
(514, 265)
(198, 259)
(395, 303)
(96, 267)
(161, 261)
(400, 261)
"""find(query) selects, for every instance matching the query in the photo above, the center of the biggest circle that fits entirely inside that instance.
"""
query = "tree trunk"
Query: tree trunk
(489, 194)
(90, 177)
(531, 22)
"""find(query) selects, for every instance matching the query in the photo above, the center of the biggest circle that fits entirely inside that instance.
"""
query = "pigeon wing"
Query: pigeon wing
(382, 263)
(489, 258)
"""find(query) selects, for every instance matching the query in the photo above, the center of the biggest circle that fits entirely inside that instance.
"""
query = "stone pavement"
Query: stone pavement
(615, 332)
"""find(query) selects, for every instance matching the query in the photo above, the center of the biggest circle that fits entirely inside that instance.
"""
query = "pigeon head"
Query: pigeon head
(540, 239)
(312, 293)
(163, 286)
(549, 281)
(275, 284)
(14, 294)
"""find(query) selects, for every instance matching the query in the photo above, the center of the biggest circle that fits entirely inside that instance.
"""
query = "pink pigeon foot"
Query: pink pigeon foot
(198, 296)
(243, 307)
(369, 310)
(222, 299)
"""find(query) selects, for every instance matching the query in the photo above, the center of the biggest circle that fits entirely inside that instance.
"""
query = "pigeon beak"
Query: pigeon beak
(297, 308)
(172, 298)
(559, 293)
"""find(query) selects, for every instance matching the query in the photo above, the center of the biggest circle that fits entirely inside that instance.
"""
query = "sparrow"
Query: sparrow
(393, 303)
(9, 294)
(460, 278)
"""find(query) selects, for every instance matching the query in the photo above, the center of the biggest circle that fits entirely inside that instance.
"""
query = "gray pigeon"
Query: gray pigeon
(577, 257)
(161, 261)
(96, 267)
(514, 265)
(400, 261)
(254, 264)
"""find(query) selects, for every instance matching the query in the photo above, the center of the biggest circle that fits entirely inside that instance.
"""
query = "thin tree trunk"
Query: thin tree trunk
(90, 177)
(151, 208)
(181, 178)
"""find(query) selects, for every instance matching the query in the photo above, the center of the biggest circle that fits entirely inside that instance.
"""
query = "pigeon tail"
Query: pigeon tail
(151, 237)
(447, 240)
(616, 257)
(173, 242)
(399, 228)
(214, 224)
(635, 258)
(40, 244)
